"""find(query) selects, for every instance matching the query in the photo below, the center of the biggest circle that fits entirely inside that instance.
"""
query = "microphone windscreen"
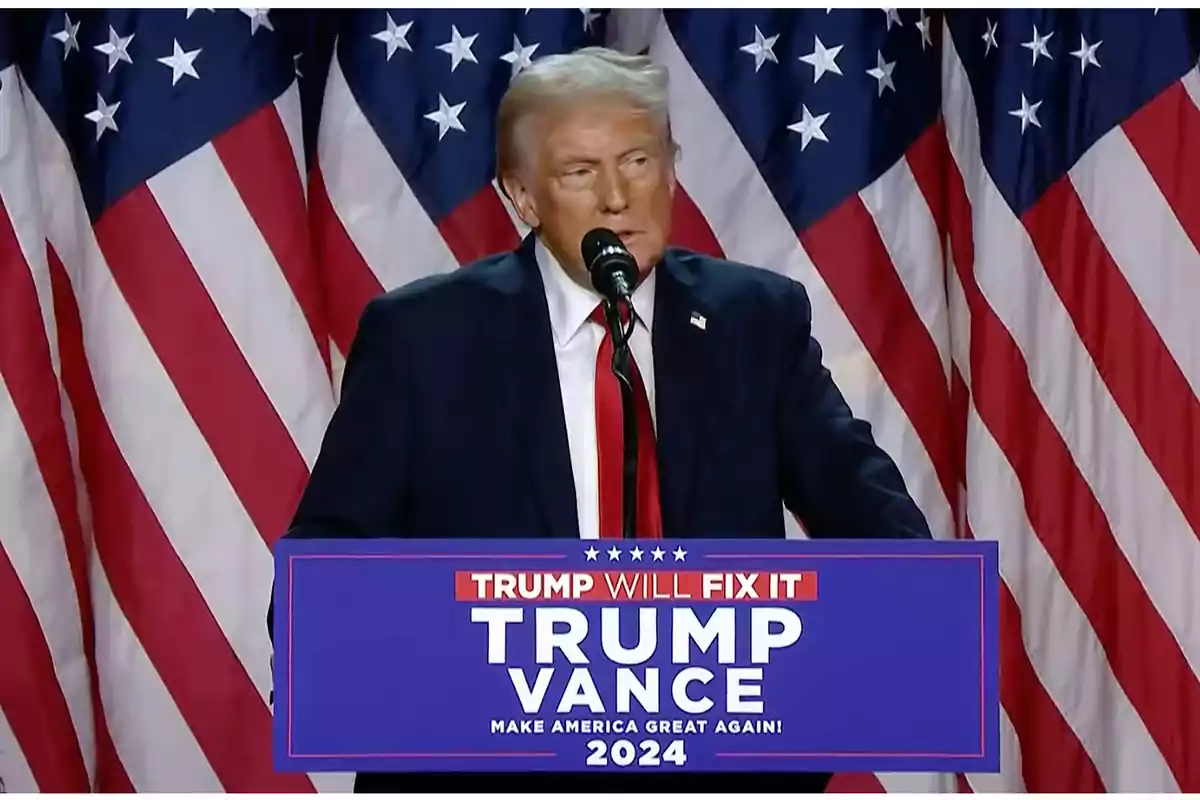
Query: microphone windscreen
(599, 242)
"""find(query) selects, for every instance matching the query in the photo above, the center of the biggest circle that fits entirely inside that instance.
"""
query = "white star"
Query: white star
(116, 48)
(459, 48)
(1027, 113)
(657, 552)
(258, 19)
(989, 38)
(679, 553)
(68, 36)
(823, 59)
(1086, 54)
(191, 11)
(446, 117)
(1038, 45)
(893, 15)
(520, 56)
(103, 116)
(883, 73)
(636, 553)
(761, 48)
(809, 127)
(181, 63)
(590, 553)
(614, 553)
(923, 27)
(589, 17)
(394, 37)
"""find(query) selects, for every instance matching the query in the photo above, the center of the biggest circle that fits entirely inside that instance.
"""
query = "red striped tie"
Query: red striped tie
(610, 437)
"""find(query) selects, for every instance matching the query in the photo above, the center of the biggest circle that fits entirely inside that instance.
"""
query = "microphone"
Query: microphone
(612, 268)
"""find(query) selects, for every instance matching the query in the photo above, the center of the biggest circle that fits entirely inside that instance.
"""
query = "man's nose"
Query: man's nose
(613, 191)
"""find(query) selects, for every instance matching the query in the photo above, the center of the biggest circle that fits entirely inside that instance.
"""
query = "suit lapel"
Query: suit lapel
(681, 356)
(536, 401)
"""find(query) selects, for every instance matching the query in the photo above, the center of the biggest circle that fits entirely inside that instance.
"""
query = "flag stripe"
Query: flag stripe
(1126, 347)
(1145, 241)
(1165, 133)
(478, 228)
(689, 228)
(155, 590)
(254, 153)
(258, 312)
(204, 362)
(1055, 761)
(1059, 505)
(381, 215)
(851, 256)
(353, 284)
(154, 740)
(30, 694)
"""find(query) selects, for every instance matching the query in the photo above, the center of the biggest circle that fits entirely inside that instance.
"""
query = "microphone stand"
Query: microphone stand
(622, 367)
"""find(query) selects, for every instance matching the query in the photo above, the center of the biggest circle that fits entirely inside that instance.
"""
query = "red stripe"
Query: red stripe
(28, 373)
(1166, 135)
(1122, 340)
(1066, 517)
(30, 694)
(259, 161)
(156, 593)
(348, 282)
(964, 786)
(205, 364)
(854, 783)
(1052, 756)
(479, 227)
(689, 228)
(849, 253)
(1053, 759)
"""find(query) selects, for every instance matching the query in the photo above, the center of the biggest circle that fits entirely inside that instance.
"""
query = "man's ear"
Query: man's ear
(522, 200)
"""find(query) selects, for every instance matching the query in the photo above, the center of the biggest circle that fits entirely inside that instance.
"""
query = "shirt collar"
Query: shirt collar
(571, 304)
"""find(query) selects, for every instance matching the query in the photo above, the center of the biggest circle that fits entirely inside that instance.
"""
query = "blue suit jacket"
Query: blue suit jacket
(451, 423)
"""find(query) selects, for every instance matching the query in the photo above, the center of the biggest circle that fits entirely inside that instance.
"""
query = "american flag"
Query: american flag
(996, 215)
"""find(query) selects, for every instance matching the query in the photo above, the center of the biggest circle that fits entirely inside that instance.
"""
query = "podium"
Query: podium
(677, 656)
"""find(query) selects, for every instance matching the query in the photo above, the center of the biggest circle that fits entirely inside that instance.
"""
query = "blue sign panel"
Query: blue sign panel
(680, 655)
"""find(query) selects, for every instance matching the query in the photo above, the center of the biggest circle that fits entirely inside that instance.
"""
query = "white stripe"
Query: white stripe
(183, 483)
(287, 106)
(1063, 648)
(1075, 398)
(1009, 779)
(751, 228)
(153, 741)
(910, 235)
(1146, 240)
(248, 287)
(381, 215)
(1191, 84)
(19, 196)
(15, 775)
(32, 538)
(917, 782)
(1066, 655)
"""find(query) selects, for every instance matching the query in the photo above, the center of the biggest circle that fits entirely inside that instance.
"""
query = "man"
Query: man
(481, 403)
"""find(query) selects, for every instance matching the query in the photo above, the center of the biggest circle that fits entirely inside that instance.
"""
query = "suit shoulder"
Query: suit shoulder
(726, 282)
(471, 283)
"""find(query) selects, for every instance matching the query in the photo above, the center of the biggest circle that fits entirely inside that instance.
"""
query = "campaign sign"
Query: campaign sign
(678, 655)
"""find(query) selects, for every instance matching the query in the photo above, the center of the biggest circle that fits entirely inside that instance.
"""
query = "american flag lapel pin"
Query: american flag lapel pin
(698, 320)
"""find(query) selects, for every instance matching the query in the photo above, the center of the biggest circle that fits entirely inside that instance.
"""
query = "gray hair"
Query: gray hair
(564, 78)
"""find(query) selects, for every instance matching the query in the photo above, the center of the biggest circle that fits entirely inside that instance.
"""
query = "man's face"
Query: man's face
(597, 164)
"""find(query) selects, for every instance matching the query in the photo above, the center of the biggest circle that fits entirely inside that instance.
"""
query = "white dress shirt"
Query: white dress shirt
(576, 343)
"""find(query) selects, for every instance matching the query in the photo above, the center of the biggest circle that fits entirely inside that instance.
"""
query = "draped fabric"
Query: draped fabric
(996, 215)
